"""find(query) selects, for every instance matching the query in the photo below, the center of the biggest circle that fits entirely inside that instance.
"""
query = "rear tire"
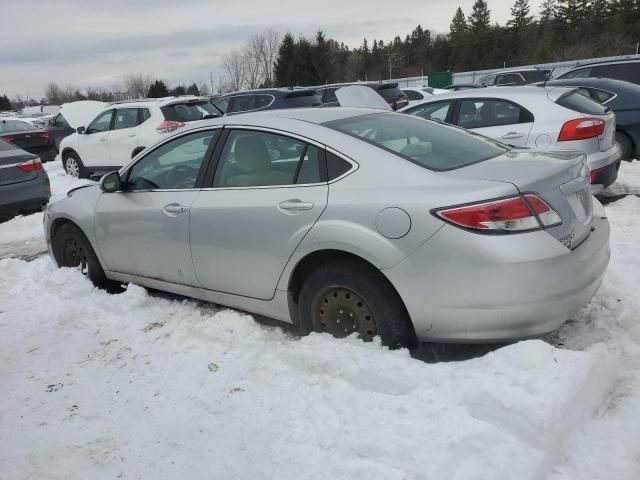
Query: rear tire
(346, 297)
(73, 165)
(626, 146)
(72, 249)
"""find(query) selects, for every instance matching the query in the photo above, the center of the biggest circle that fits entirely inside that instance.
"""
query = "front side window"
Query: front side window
(510, 79)
(479, 113)
(174, 165)
(579, 73)
(60, 121)
(255, 159)
(432, 111)
(413, 95)
(488, 80)
(125, 118)
(429, 144)
(102, 123)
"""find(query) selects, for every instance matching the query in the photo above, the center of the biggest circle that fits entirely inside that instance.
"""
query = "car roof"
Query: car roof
(268, 91)
(138, 102)
(518, 70)
(608, 62)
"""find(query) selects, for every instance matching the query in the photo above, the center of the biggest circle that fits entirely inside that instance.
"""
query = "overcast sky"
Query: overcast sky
(95, 43)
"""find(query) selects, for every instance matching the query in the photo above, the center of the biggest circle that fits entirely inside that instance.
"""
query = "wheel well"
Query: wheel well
(311, 262)
(67, 151)
(136, 151)
(57, 223)
(631, 141)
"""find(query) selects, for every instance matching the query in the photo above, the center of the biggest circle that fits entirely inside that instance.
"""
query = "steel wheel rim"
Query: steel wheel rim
(72, 167)
(74, 254)
(341, 311)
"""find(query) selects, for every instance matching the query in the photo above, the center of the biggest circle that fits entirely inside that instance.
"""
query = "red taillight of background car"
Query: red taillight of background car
(594, 174)
(30, 165)
(581, 129)
(507, 215)
(169, 126)
(9, 138)
(45, 136)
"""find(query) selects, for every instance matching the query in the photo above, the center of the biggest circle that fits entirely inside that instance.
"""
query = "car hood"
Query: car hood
(78, 114)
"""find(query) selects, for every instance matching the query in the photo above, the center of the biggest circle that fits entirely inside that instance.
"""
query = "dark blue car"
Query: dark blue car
(621, 97)
(266, 99)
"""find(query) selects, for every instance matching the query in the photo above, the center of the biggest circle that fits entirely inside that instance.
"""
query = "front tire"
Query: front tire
(346, 297)
(73, 165)
(72, 249)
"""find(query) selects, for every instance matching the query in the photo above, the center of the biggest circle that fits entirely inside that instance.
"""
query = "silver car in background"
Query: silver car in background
(535, 117)
(346, 220)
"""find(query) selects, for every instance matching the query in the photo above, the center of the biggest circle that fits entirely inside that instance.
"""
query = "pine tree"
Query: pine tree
(480, 19)
(193, 89)
(520, 15)
(158, 89)
(177, 91)
(572, 12)
(284, 62)
(5, 103)
(458, 26)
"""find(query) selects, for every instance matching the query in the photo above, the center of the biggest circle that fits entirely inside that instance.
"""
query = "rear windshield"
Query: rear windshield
(302, 99)
(14, 126)
(579, 103)
(188, 112)
(390, 93)
(427, 143)
(535, 75)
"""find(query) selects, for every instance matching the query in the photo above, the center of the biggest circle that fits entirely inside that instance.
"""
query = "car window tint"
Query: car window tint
(173, 165)
(145, 115)
(478, 113)
(222, 104)
(413, 95)
(330, 95)
(584, 91)
(336, 166)
(102, 123)
(579, 103)
(509, 79)
(125, 118)
(302, 99)
(429, 144)
(246, 103)
(253, 159)
(432, 111)
(310, 169)
(488, 80)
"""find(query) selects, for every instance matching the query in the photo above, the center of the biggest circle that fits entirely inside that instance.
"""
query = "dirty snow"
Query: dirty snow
(119, 386)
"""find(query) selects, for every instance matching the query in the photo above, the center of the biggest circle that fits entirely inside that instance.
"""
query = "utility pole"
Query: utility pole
(211, 80)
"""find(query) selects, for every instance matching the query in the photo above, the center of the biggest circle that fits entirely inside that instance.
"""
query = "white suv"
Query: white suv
(126, 128)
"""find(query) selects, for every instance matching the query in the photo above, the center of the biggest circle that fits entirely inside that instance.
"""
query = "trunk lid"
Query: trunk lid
(10, 157)
(560, 178)
(27, 140)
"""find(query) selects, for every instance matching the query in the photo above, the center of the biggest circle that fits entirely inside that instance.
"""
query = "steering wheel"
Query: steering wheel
(181, 176)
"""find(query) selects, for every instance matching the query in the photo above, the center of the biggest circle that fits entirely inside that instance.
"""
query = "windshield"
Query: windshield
(189, 112)
(427, 143)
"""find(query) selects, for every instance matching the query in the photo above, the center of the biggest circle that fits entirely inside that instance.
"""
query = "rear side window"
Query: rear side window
(479, 113)
(336, 166)
(535, 75)
(125, 118)
(413, 95)
(188, 112)
(601, 96)
(429, 144)
(488, 80)
(247, 103)
(330, 95)
(579, 103)
(301, 99)
(145, 115)
(432, 111)
(629, 72)
(509, 79)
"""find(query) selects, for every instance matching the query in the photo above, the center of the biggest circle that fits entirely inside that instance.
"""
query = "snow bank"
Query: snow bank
(98, 385)
(628, 181)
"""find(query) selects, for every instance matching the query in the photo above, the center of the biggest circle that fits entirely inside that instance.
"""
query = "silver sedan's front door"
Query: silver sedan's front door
(268, 192)
(144, 229)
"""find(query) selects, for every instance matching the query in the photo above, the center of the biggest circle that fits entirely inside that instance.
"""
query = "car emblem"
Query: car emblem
(27, 136)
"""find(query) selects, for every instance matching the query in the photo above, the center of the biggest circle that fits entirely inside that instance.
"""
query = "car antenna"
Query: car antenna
(547, 77)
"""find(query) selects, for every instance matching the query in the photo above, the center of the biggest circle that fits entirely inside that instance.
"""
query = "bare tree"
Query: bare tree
(252, 64)
(204, 89)
(53, 93)
(137, 84)
(264, 47)
(234, 63)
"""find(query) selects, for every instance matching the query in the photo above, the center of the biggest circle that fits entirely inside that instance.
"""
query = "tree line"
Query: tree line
(562, 30)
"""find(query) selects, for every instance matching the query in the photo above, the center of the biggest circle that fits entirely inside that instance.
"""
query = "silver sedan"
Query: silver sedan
(346, 220)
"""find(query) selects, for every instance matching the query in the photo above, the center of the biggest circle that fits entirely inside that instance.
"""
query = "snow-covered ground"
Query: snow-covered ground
(143, 386)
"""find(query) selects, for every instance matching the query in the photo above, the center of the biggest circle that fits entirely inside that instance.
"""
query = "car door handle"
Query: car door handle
(295, 204)
(103, 139)
(131, 135)
(512, 135)
(174, 209)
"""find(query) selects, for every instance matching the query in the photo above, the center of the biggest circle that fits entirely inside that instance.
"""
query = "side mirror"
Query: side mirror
(80, 130)
(111, 182)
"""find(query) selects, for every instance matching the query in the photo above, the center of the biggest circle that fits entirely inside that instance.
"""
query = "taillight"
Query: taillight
(9, 138)
(30, 165)
(170, 126)
(45, 136)
(507, 215)
(581, 129)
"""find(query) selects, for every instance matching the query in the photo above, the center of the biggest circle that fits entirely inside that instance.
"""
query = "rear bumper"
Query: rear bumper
(465, 287)
(608, 161)
(24, 197)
